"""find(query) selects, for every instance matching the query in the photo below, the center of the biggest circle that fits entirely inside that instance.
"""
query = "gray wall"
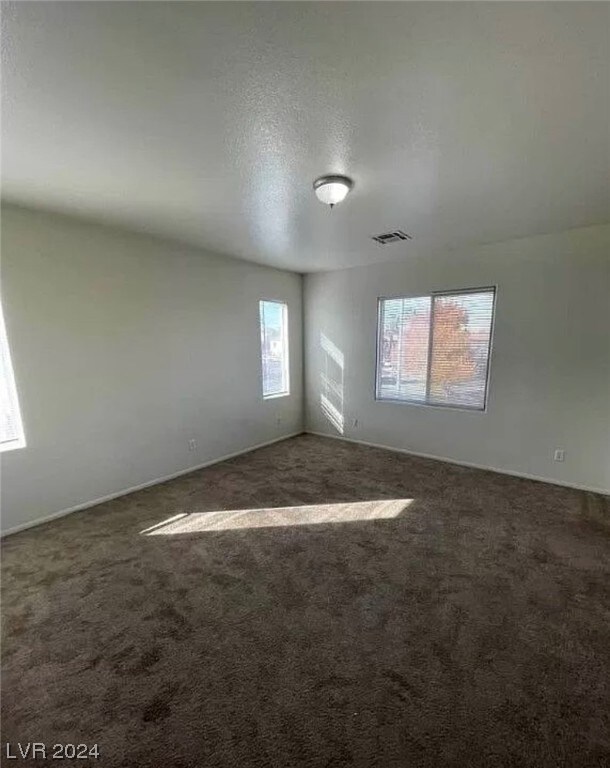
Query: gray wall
(124, 348)
(550, 367)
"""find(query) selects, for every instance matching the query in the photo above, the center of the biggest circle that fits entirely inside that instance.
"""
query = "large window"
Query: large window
(434, 350)
(11, 429)
(274, 348)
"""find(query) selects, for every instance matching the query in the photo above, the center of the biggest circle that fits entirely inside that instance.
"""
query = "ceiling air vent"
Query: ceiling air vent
(391, 237)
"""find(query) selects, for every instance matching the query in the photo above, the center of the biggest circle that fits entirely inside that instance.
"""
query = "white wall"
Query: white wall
(124, 348)
(550, 366)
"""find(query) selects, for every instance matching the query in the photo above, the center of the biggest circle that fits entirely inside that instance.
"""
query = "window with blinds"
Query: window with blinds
(274, 348)
(11, 429)
(434, 350)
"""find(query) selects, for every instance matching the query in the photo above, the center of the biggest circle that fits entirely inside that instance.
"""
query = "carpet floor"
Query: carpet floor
(316, 604)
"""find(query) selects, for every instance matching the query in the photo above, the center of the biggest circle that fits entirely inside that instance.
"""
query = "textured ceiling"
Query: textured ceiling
(460, 123)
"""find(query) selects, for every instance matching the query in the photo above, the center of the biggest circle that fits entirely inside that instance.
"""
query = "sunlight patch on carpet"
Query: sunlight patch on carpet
(315, 514)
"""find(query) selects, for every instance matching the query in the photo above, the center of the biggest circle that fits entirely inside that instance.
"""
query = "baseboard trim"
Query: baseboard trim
(141, 486)
(524, 475)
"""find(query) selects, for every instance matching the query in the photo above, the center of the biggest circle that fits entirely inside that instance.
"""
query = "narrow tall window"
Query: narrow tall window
(11, 428)
(274, 348)
(434, 350)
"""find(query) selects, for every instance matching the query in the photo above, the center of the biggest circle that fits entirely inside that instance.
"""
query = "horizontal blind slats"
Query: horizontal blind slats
(274, 347)
(460, 349)
(453, 370)
(404, 338)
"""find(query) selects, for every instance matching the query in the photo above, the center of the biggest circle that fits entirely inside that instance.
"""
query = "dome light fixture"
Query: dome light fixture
(332, 189)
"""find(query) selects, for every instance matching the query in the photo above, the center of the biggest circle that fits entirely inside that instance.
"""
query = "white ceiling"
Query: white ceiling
(460, 123)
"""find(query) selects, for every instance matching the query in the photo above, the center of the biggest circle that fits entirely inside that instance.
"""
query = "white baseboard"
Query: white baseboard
(157, 481)
(141, 486)
(486, 467)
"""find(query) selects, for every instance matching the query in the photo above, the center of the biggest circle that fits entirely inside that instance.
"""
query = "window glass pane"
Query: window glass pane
(460, 348)
(274, 348)
(11, 429)
(434, 349)
(403, 348)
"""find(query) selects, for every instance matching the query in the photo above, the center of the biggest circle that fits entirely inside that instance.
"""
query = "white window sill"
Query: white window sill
(13, 445)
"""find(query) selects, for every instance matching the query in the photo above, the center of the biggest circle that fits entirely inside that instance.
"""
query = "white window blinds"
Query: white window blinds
(434, 350)
(11, 429)
(274, 348)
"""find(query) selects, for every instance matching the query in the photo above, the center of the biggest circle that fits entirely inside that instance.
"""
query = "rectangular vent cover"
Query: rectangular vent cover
(391, 237)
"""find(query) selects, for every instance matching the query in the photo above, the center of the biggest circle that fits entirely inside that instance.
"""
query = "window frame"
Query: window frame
(431, 295)
(286, 366)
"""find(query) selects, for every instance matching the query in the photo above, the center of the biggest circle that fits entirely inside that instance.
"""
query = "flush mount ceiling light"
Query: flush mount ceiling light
(332, 189)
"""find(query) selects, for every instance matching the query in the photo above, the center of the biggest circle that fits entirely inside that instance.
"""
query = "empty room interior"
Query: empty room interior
(305, 387)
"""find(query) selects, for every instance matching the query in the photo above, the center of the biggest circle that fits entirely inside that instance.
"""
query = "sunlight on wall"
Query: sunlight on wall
(331, 385)
(315, 514)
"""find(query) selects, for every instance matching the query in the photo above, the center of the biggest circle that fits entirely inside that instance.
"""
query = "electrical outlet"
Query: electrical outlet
(192, 445)
(559, 455)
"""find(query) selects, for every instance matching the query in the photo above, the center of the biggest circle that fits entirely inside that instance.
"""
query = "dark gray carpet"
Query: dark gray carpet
(469, 627)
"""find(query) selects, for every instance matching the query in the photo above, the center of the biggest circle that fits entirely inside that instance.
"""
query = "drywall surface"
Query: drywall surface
(124, 349)
(550, 364)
